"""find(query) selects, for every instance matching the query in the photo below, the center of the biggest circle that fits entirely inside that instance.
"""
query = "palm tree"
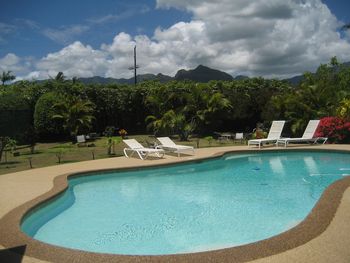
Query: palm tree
(6, 76)
(172, 123)
(212, 106)
(346, 27)
(60, 77)
(76, 115)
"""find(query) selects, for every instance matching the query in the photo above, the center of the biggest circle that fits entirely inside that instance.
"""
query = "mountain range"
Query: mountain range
(199, 74)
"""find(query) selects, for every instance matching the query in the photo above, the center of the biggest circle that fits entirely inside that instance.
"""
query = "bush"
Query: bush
(336, 129)
(44, 124)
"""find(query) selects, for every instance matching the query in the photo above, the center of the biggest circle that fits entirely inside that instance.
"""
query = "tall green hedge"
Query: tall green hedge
(44, 124)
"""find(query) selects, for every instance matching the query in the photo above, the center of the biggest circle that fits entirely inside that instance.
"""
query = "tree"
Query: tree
(60, 77)
(6, 76)
(75, 113)
(4, 141)
(171, 123)
(346, 27)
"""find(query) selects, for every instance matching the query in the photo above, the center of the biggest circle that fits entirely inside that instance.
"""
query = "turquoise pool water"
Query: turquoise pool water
(217, 203)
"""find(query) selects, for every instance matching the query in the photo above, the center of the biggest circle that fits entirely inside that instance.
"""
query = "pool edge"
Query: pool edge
(314, 224)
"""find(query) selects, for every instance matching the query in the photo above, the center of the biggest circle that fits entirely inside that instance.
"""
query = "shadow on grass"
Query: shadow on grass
(13, 254)
(28, 153)
(9, 163)
(68, 161)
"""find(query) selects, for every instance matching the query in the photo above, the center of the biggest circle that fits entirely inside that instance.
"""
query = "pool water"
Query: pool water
(218, 203)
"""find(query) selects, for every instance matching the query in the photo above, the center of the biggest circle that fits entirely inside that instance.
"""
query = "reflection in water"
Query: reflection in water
(276, 165)
(311, 165)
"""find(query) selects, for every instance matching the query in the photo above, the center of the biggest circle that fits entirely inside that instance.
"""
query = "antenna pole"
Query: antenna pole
(134, 67)
(135, 78)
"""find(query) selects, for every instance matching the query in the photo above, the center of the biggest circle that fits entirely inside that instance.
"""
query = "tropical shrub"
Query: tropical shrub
(343, 110)
(336, 129)
(75, 113)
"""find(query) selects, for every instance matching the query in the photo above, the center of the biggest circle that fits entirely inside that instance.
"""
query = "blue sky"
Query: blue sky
(95, 22)
(271, 38)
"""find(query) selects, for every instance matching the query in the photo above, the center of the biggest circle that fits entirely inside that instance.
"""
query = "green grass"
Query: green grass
(45, 153)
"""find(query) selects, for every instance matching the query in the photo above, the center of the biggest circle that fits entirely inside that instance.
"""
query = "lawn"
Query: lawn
(46, 153)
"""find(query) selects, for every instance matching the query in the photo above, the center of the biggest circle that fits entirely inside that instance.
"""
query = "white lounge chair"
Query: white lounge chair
(307, 137)
(239, 137)
(167, 144)
(143, 152)
(81, 140)
(273, 136)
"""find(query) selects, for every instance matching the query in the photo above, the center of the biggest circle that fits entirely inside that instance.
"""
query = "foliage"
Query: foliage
(111, 143)
(109, 131)
(7, 144)
(343, 110)
(31, 137)
(4, 140)
(209, 139)
(75, 114)
(175, 107)
(171, 123)
(6, 76)
(44, 123)
(319, 95)
(59, 152)
(336, 129)
(122, 133)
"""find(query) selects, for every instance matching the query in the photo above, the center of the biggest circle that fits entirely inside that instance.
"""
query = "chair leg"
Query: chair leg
(140, 155)
(126, 155)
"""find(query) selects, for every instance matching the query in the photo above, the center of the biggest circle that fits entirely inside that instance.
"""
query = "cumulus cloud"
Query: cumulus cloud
(74, 60)
(270, 38)
(11, 62)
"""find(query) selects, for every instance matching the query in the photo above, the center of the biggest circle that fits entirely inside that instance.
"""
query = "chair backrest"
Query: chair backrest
(239, 136)
(310, 129)
(81, 138)
(166, 141)
(276, 130)
(133, 144)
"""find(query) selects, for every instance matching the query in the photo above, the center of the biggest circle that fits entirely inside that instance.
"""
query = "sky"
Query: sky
(86, 38)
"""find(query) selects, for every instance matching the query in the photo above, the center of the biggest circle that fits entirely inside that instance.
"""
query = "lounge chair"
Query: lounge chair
(143, 152)
(239, 137)
(167, 144)
(273, 136)
(81, 140)
(307, 137)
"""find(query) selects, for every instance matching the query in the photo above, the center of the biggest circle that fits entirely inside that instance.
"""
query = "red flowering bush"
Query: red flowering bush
(336, 129)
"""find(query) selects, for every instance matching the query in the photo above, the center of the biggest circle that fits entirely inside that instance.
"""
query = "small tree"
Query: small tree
(31, 137)
(7, 144)
(209, 139)
(6, 76)
(59, 152)
(3, 143)
(109, 132)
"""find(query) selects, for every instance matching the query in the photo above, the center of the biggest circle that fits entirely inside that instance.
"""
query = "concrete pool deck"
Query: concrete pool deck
(322, 237)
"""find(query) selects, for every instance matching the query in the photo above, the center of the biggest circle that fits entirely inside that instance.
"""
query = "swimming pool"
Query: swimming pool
(223, 202)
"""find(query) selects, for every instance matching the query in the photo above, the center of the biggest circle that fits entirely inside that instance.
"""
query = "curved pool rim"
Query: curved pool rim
(312, 226)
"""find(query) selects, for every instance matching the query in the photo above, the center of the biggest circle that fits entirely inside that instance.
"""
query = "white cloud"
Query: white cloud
(74, 60)
(65, 34)
(271, 38)
(11, 62)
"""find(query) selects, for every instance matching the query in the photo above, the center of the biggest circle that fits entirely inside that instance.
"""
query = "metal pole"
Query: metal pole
(135, 78)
